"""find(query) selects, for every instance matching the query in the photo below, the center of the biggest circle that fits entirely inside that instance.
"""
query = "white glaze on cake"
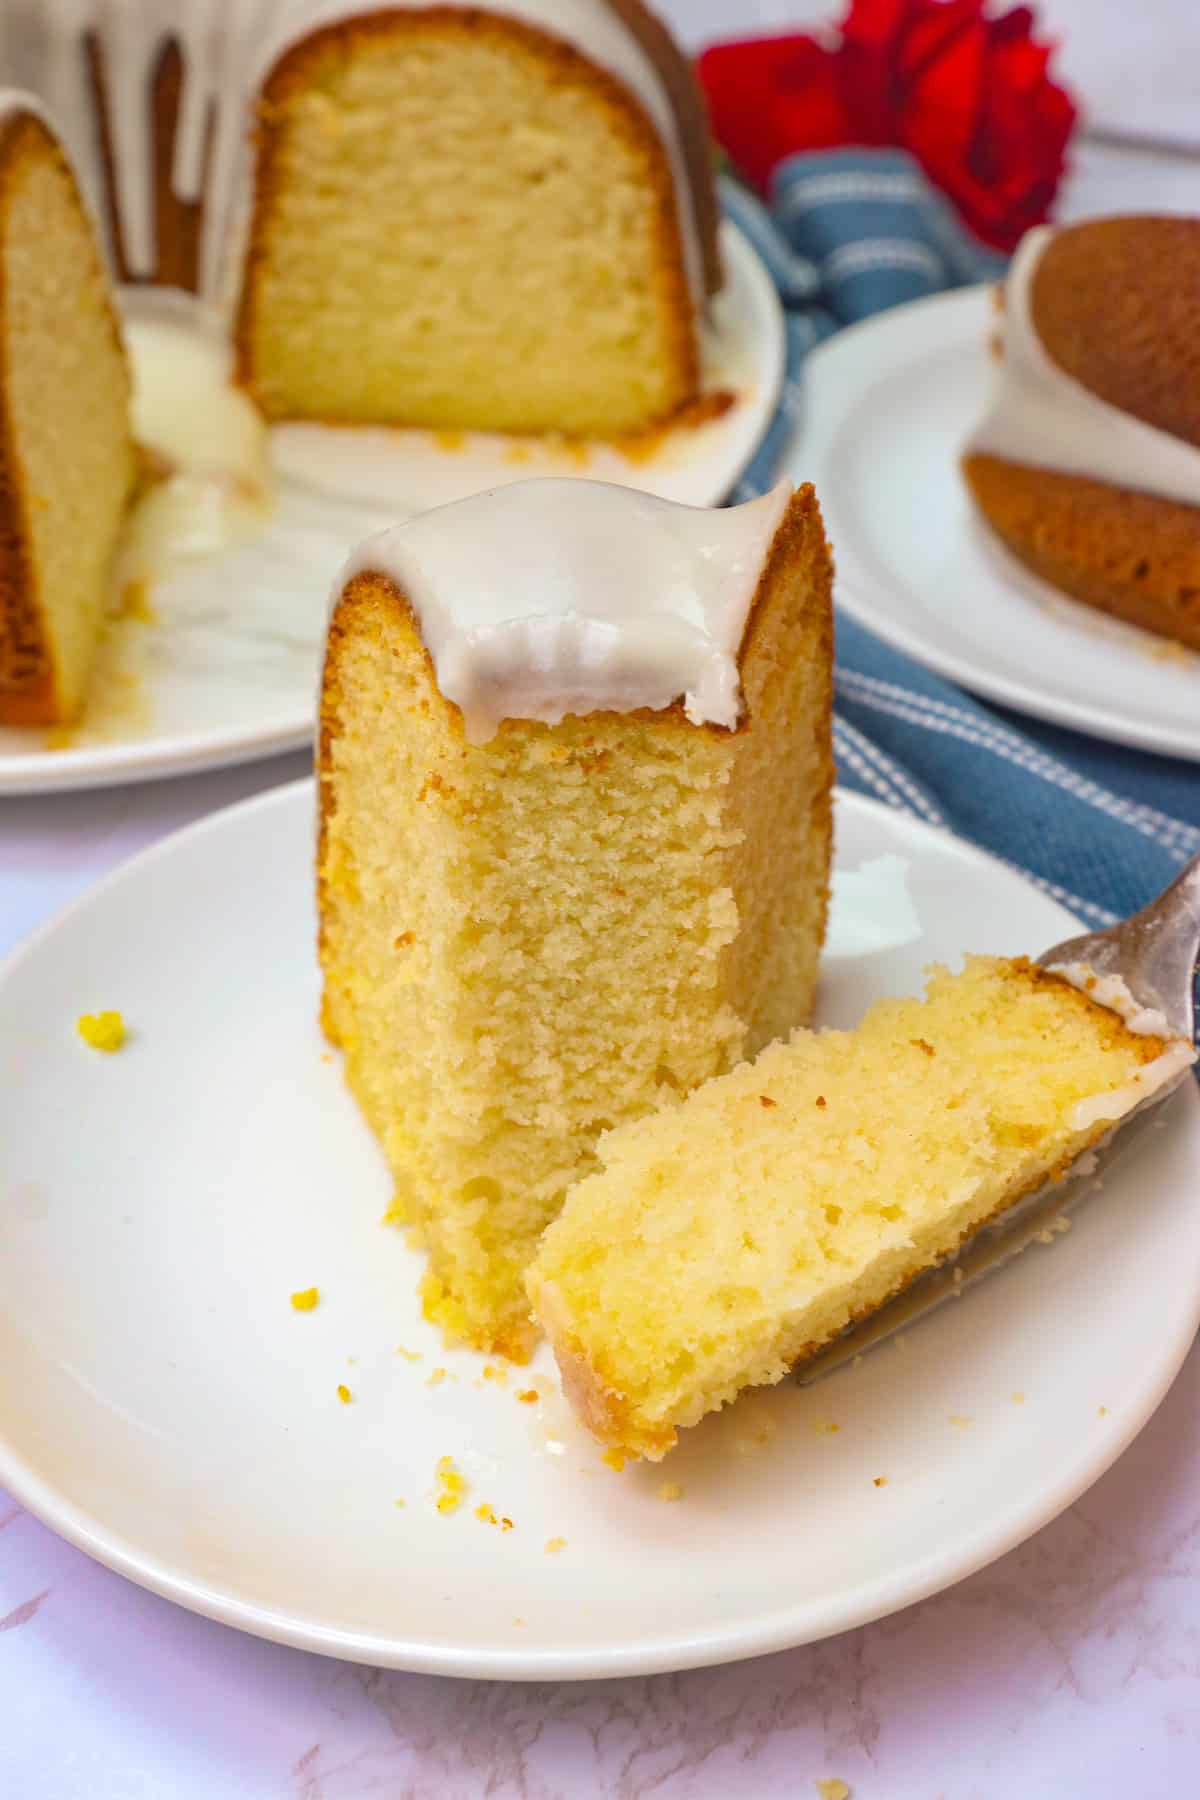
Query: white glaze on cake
(186, 409)
(228, 47)
(1153, 1078)
(545, 598)
(1043, 418)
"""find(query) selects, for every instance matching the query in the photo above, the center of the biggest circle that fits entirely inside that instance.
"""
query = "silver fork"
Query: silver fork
(1155, 954)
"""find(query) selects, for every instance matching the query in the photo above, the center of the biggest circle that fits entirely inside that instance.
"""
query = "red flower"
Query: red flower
(968, 96)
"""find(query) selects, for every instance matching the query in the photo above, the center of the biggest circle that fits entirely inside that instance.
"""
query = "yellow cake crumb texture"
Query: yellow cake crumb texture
(592, 918)
(305, 1299)
(831, 1788)
(722, 1243)
(102, 1031)
(554, 1545)
(344, 1394)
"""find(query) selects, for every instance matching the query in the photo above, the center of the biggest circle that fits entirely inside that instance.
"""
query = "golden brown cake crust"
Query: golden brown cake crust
(1114, 303)
(563, 64)
(1134, 556)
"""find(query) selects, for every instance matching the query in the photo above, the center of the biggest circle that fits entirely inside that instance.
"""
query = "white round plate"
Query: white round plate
(227, 669)
(165, 1408)
(888, 406)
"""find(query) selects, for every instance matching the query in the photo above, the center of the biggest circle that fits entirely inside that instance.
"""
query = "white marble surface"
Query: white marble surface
(1070, 1668)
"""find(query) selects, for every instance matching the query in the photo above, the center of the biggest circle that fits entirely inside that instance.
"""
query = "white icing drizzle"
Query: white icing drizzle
(185, 407)
(544, 598)
(227, 47)
(1153, 1078)
(1042, 417)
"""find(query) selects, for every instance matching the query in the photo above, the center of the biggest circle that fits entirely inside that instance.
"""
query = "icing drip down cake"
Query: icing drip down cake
(67, 463)
(575, 777)
(1087, 465)
(728, 1238)
(499, 216)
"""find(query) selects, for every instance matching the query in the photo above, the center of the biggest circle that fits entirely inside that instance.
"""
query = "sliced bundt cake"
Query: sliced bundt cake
(575, 831)
(491, 216)
(66, 453)
(1088, 463)
(730, 1237)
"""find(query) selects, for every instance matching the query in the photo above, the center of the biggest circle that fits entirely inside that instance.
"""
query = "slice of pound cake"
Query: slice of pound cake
(734, 1235)
(67, 462)
(575, 779)
(496, 216)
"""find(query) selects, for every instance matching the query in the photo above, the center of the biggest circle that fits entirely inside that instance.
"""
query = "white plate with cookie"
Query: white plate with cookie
(888, 407)
(213, 658)
(167, 1409)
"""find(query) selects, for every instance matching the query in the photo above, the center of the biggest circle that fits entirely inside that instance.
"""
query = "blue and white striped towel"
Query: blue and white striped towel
(1102, 828)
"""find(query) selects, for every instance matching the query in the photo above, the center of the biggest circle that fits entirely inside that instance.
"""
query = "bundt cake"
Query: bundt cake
(731, 1236)
(1087, 465)
(575, 778)
(498, 216)
(67, 463)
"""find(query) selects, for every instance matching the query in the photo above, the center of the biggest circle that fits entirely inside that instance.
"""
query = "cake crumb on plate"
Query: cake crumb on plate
(304, 1299)
(343, 1393)
(101, 1031)
(555, 1544)
(452, 1483)
(670, 1490)
(833, 1789)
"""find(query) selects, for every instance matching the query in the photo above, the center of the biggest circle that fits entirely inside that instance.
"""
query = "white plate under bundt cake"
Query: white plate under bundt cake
(1087, 465)
(575, 779)
(67, 462)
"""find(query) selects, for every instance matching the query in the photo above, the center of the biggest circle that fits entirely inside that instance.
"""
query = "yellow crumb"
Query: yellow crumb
(492, 1373)
(1103, 1410)
(506, 1524)
(102, 1031)
(304, 1299)
(401, 1503)
(437, 1377)
(528, 1396)
(343, 1393)
(453, 1486)
(555, 1544)
(1018, 1398)
(487, 1514)
(824, 1427)
(670, 1490)
(409, 1355)
(615, 1459)
(833, 1789)
(881, 1481)
(959, 1419)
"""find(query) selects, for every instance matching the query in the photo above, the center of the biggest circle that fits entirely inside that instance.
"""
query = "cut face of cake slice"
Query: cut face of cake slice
(496, 216)
(575, 782)
(66, 451)
(728, 1238)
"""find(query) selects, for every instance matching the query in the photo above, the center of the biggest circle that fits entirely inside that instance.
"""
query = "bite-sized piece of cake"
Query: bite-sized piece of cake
(731, 1237)
(1087, 465)
(67, 461)
(575, 779)
(490, 216)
